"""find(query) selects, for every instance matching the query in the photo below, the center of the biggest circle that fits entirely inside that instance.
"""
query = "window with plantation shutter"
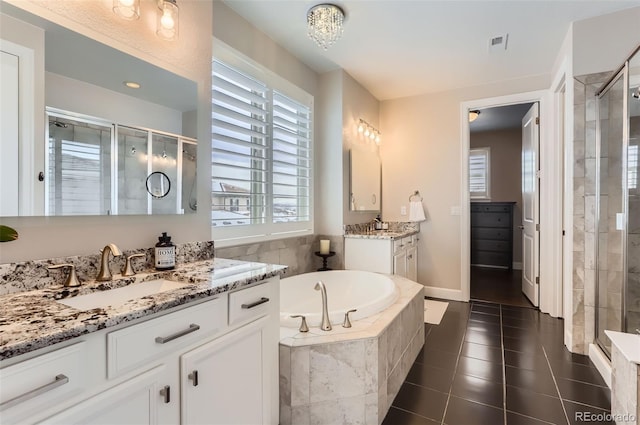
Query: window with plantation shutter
(261, 158)
(479, 173)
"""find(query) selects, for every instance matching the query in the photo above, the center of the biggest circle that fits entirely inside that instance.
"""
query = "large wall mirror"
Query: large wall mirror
(365, 179)
(109, 121)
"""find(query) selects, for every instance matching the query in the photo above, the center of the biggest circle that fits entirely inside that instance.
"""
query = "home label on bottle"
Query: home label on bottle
(165, 257)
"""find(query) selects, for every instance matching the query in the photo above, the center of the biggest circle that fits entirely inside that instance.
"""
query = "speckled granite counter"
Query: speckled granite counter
(382, 234)
(33, 319)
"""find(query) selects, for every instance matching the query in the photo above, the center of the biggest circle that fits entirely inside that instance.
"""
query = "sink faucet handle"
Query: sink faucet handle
(303, 324)
(128, 267)
(72, 278)
(347, 322)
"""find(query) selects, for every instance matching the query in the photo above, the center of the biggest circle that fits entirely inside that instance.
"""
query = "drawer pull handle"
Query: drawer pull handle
(166, 393)
(255, 303)
(58, 381)
(164, 339)
(194, 377)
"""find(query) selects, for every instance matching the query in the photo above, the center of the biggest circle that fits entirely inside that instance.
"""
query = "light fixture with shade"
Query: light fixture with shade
(127, 9)
(473, 115)
(324, 24)
(168, 19)
(132, 84)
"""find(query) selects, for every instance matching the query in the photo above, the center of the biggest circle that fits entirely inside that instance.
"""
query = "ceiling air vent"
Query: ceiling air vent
(498, 43)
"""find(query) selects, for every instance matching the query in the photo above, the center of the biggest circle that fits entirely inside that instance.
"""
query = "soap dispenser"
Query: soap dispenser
(165, 253)
(378, 222)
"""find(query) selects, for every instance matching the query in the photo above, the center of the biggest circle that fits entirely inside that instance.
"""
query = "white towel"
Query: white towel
(416, 212)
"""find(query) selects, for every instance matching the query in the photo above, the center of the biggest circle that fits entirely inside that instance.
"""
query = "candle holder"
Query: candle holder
(324, 260)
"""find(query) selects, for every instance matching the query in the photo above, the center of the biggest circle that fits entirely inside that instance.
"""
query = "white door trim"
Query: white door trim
(550, 212)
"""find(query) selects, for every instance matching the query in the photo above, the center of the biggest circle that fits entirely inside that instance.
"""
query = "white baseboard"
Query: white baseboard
(517, 265)
(443, 293)
(601, 362)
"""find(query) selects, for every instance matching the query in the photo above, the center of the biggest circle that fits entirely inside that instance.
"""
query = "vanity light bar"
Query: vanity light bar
(369, 131)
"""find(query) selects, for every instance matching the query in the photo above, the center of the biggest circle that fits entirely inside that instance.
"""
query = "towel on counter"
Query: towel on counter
(416, 212)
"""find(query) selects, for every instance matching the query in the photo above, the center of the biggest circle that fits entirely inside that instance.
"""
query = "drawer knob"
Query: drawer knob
(255, 303)
(166, 393)
(58, 381)
(193, 376)
(164, 339)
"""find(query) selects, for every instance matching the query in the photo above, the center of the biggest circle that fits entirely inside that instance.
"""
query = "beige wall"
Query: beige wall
(421, 151)
(189, 56)
(506, 176)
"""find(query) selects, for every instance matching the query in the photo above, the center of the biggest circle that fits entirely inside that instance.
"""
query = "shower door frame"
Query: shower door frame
(622, 72)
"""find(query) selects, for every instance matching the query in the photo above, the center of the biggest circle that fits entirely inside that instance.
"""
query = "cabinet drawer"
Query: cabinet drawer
(489, 245)
(41, 382)
(400, 244)
(490, 233)
(488, 258)
(490, 208)
(136, 345)
(490, 220)
(249, 304)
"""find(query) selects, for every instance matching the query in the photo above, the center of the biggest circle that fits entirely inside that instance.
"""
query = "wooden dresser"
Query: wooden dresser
(492, 234)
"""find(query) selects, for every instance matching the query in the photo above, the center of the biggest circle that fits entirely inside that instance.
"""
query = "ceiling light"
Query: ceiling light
(473, 115)
(324, 24)
(127, 9)
(167, 24)
(132, 84)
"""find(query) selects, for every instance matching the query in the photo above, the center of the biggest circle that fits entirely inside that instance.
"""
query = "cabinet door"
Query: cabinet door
(136, 401)
(223, 381)
(412, 264)
(400, 264)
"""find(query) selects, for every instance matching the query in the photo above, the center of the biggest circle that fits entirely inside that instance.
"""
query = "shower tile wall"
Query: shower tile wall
(297, 253)
(584, 210)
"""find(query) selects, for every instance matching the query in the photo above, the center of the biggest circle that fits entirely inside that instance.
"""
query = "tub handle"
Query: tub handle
(347, 322)
(303, 324)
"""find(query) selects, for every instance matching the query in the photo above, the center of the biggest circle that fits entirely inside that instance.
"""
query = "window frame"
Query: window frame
(249, 233)
(485, 195)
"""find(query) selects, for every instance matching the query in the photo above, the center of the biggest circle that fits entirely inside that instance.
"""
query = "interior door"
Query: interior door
(530, 205)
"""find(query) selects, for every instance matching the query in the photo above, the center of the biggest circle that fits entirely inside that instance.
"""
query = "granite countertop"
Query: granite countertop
(381, 234)
(33, 319)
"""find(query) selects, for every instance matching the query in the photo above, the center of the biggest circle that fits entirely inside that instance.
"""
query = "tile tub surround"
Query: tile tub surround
(351, 376)
(33, 319)
(296, 253)
(30, 275)
(625, 377)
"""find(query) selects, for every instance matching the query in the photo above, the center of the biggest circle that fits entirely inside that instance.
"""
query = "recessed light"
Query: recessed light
(132, 84)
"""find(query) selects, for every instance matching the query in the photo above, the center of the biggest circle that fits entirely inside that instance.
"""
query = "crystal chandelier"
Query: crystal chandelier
(324, 24)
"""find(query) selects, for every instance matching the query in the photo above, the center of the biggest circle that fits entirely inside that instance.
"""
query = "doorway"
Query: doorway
(498, 196)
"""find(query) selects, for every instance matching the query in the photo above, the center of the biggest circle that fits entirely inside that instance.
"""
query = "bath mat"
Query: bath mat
(433, 311)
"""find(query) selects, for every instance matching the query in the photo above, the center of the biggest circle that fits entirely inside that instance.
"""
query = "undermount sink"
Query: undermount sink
(115, 297)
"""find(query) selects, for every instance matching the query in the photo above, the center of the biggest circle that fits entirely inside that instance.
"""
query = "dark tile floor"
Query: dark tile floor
(498, 286)
(491, 364)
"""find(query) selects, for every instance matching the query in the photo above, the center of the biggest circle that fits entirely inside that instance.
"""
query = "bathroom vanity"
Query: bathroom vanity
(383, 252)
(201, 353)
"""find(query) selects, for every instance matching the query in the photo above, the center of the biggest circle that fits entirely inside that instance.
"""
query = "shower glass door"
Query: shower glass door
(632, 299)
(611, 208)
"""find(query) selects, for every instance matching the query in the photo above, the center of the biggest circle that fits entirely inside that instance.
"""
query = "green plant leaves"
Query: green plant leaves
(7, 234)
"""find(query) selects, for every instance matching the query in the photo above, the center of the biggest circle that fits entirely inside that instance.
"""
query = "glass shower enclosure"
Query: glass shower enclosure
(618, 204)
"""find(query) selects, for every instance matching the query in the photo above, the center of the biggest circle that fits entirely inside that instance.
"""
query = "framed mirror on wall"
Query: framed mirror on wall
(101, 122)
(365, 180)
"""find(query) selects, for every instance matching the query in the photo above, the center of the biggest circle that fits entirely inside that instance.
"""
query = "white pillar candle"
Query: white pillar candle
(324, 246)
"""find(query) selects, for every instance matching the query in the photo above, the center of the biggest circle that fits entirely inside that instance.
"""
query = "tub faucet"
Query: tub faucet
(105, 273)
(326, 324)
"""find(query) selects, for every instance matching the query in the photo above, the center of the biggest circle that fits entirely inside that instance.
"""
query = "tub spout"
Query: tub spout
(326, 324)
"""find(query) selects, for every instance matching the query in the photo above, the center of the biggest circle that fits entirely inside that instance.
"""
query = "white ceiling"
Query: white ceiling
(398, 48)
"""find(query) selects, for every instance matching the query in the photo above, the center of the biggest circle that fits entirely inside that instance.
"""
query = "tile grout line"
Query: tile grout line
(504, 370)
(553, 376)
(455, 368)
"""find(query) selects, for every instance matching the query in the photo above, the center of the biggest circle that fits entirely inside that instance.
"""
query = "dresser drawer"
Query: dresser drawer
(489, 245)
(41, 382)
(488, 258)
(490, 208)
(490, 220)
(491, 233)
(249, 304)
(136, 345)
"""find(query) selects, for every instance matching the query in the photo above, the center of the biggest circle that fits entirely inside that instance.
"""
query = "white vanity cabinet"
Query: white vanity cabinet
(392, 256)
(211, 362)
